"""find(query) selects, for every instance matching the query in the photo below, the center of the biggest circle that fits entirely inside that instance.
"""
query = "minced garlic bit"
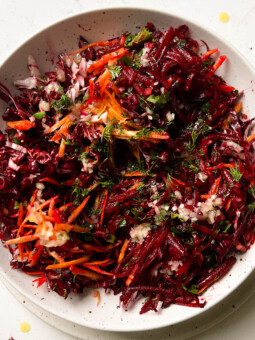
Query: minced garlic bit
(170, 116)
(144, 56)
(49, 238)
(44, 106)
(139, 233)
(203, 211)
(172, 266)
(202, 176)
(53, 86)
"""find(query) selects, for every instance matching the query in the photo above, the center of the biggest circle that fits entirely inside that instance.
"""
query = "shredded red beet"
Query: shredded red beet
(128, 168)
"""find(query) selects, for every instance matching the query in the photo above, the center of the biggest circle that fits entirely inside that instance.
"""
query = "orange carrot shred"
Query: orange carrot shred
(56, 256)
(136, 185)
(106, 57)
(36, 256)
(208, 53)
(21, 125)
(130, 279)
(251, 137)
(32, 201)
(77, 211)
(178, 181)
(96, 44)
(50, 180)
(238, 107)
(46, 203)
(33, 273)
(228, 204)
(89, 274)
(65, 206)
(96, 263)
(62, 148)
(122, 251)
(218, 62)
(64, 120)
(103, 208)
(98, 270)
(68, 227)
(96, 294)
(122, 40)
(68, 263)
(51, 208)
(135, 174)
(22, 239)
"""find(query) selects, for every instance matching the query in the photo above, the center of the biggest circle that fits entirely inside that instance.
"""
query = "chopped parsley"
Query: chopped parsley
(83, 156)
(115, 71)
(137, 59)
(168, 180)
(158, 99)
(107, 132)
(122, 223)
(199, 128)
(236, 174)
(39, 115)
(251, 206)
(63, 103)
(70, 142)
(142, 36)
(192, 142)
(79, 193)
(143, 187)
(16, 205)
(180, 42)
(16, 141)
(107, 183)
(143, 133)
(193, 289)
(205, 107)
(136, 211)
(111, 238)
(126, 60)
(193, 167)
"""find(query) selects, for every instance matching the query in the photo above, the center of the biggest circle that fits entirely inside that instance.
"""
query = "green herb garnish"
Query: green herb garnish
(63, 103)
(107, 132)
(79, 193)
(251, 206)
(16, 205)
(157, 99)
(122, 223)
(236, 174)
(126, 60)
(143, 133)
(205, 107)
(115, 71)
(142, 36)
(39, 115)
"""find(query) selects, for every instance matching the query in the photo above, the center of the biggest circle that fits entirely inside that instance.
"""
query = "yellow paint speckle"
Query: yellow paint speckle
(24, 327)
(224, 17)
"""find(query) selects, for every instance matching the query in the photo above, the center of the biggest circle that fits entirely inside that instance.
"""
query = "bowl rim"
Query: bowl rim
(188, 22)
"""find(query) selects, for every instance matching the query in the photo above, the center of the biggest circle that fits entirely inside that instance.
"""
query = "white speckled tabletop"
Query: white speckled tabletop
(234, 318)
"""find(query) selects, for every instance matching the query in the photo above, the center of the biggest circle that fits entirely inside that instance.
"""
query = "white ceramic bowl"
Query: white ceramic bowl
(63, 37)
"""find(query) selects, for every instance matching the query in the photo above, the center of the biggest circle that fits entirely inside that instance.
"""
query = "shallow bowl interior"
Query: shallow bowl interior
(63, 37)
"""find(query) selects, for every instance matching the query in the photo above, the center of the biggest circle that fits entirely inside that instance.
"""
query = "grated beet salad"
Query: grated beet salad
(131, 168)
